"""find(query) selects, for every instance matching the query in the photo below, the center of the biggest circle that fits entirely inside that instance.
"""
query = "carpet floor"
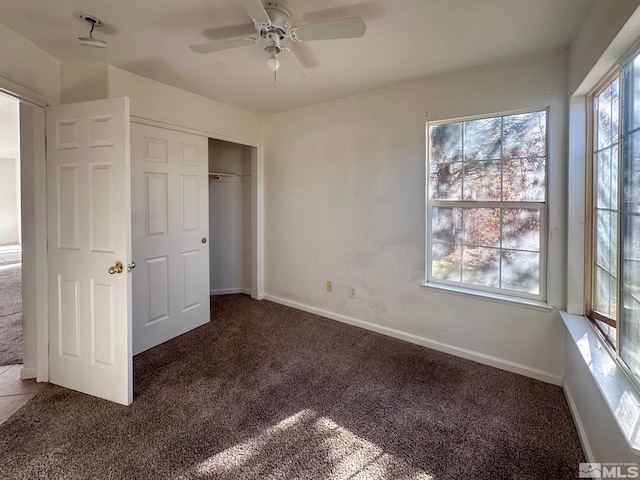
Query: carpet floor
(11, 314)
(265, 391)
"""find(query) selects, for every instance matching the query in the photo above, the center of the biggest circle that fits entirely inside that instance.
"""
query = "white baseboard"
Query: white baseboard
(229, 291)
(27, 373)
(577, 420)
(479, 357)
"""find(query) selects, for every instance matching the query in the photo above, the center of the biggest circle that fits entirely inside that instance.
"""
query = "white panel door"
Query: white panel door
(170, 216)
(89, 231)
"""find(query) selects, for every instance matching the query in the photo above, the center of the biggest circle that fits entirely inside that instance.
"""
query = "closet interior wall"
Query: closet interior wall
(229, 217)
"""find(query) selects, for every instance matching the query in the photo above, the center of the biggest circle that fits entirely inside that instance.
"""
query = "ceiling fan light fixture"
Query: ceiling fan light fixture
(93, 22)
(273, 63)
(92, 42)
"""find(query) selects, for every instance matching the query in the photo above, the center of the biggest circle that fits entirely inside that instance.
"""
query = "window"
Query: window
(605, 207)
(486, 209)
(615, 253)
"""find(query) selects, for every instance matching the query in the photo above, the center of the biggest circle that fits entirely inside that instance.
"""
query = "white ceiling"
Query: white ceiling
(405, 40)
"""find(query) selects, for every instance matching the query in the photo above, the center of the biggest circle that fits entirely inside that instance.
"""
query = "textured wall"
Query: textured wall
(345, 201)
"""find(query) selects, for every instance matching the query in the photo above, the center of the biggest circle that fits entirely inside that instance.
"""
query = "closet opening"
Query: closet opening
(230, 214)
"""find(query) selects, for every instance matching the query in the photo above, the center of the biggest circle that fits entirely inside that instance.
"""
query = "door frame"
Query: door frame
(33, 175)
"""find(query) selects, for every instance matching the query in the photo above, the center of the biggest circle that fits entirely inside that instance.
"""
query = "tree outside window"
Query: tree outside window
(486, 207)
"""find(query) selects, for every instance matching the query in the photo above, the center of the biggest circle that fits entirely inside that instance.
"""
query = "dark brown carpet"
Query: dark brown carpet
(11, 314)
(265, 391)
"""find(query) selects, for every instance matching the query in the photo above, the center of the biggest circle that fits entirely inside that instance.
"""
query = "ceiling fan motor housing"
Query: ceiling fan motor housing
(280, 21)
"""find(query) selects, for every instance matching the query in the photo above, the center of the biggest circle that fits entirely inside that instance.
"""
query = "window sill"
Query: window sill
(617, 389)
(492, 297)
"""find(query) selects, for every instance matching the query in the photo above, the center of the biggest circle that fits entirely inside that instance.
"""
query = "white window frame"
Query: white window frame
(538, 300)
(591, 202)
(590, 285)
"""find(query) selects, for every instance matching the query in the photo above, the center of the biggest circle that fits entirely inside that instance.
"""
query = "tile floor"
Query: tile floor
(14, 392)
(10, 254)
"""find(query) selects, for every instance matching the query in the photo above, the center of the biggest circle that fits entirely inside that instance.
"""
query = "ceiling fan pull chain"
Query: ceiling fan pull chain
(275, 80)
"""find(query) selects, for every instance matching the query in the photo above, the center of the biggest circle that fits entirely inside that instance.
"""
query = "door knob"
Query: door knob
(117, 268)
(131, 266)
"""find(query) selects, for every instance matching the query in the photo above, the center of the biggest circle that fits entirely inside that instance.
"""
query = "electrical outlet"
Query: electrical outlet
(329, 286)
(352, 291)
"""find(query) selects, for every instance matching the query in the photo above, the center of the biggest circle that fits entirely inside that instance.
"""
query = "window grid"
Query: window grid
(606, 311)
(615, 190)
(501, 205)
(463, 246)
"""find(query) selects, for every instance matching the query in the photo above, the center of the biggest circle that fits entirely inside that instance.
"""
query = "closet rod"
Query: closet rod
(218, 175)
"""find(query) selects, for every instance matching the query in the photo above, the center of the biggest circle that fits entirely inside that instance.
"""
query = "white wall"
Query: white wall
(345, 202)
(604, 21)
(83, 81)
(156, 101)
(25, 64)
(230, 218)
(9, 171)
(151, 99)
(608, 31)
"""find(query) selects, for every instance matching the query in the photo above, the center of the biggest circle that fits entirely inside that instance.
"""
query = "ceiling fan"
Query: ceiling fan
(273, 24)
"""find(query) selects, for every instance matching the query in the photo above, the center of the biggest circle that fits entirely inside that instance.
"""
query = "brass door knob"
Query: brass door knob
(117, 268)
(131, 266)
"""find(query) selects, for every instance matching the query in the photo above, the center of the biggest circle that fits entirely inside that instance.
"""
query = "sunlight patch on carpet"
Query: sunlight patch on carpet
(342, 454)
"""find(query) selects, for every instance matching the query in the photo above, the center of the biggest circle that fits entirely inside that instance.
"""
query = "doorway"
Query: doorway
(230, 213)
(11, 345)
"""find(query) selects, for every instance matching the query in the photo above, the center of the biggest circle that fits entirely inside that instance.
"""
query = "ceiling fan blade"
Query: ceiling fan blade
(345, 28)
(290, 66)
(255, 10)
(222, 45)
